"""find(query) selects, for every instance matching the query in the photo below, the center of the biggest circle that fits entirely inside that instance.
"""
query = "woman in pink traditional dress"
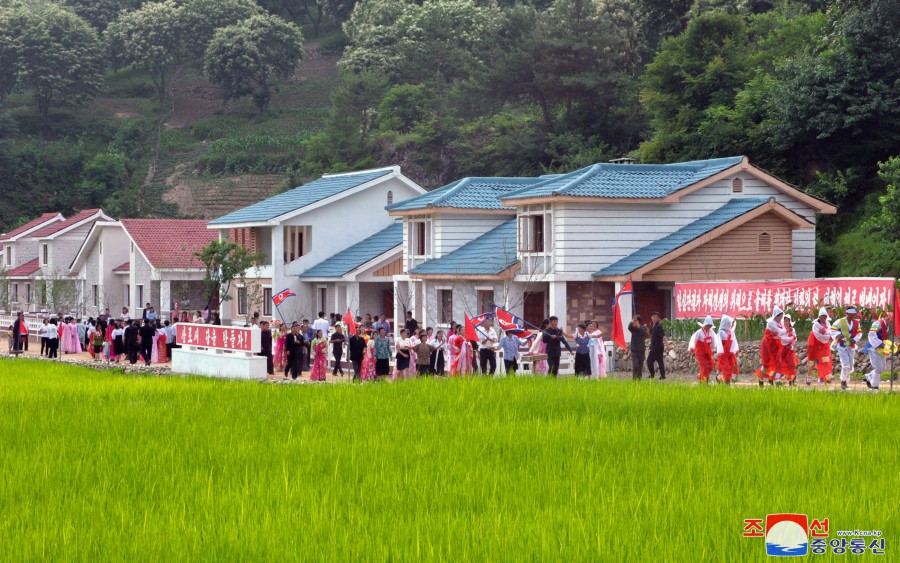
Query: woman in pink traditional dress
(539, 347)
(320, 363)
(154, 352)
(461, 353)
(72, 342)
(161, 345)
(368, 363)
(279, 338)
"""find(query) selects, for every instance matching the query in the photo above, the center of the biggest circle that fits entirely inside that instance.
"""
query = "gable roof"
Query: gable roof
(82, 217)
(467, 193)
(125, 267)
(488, 255)
(25, 269)
(169, 243)
(31, 225)
(683, 237)
(297, 198)
(358, 254)
(641, 181)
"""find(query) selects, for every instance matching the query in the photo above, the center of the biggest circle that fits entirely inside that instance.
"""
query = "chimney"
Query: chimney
(623, 160)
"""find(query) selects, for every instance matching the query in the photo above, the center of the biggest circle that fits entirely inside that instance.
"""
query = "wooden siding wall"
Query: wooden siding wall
(391, 269)
(735, 255)
(590, 236)
(454, 230)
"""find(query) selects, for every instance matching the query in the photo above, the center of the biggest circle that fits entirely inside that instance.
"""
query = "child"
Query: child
(510, 346)
(422, 352)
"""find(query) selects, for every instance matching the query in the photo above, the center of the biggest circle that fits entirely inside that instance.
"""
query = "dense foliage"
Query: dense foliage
(447, 88)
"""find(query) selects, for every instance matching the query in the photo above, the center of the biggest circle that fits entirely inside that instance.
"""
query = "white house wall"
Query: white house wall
(451, 231)
(591, 235)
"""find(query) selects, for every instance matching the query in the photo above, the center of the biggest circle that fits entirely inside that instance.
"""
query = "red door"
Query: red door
(534, 308)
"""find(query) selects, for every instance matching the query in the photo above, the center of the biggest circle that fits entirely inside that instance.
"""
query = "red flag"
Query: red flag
(470, 329)
(348, 320)
(281, 296)
(618, 331)
(896, 316)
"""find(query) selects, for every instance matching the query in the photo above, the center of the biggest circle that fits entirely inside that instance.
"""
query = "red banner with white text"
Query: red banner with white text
(218, 337)
(748, 298)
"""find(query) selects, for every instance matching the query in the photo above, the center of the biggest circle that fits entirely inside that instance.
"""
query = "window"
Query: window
(126, 298)
(45, 254)
(9, 256)
(15, 293)
(764, 243)
(140, 294)
(28, 295)
(737, 186)
(297, 242)
(390, 197)
(534, 233)
(242, 300)
(101, 247)
(420, 243)
(485, 300)
(445, 300)
(44, 294)
(323, 298)
(267, 301)
(96, 295)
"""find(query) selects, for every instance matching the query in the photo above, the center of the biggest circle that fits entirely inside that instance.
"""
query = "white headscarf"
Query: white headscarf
(726, 323)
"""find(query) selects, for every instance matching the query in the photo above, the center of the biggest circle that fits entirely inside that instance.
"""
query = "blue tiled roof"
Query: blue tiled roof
(307, 194)
(352, 258)
(627, 180)
(467, 193)
(657, 249)
(489, 254)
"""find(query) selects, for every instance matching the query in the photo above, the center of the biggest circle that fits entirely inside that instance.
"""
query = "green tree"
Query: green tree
(104, 174)
(58, 56)
(312, 11)
(9, 53)
(150, 38)
(224, 263)
(243, 58)
(99, 13)
(201, 19)
(704, 67)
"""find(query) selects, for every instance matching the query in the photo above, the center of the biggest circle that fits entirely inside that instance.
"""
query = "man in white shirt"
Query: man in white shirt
(487, 347)
(322, 324)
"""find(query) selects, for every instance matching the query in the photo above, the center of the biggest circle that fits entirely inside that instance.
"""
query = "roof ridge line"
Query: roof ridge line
(587, 174)
(452, 191)
(393, 168)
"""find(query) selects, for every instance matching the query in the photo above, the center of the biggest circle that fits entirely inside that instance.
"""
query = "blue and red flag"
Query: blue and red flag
(279, 297)
(511, 323)
(618, 329)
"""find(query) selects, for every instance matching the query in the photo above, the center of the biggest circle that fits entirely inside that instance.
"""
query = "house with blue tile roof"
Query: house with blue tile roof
(459, 250)
(330, 241)
(591, 230)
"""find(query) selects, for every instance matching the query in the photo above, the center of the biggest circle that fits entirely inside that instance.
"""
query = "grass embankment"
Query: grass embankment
(103, 466)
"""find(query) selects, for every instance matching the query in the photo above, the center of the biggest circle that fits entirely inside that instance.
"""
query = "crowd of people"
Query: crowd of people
(778, 359)
(369, 345)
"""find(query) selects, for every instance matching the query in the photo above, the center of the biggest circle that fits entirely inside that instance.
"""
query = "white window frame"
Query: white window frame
(9, 255)
(267, 300)
(45, 254)
(15, 292)
(525, 238)
(321, 298)
(95, 295)
(440, 305)
(242, 289)
(288, 238)
(29, 295)
(426, 226)
(139, 288)
(127, 295)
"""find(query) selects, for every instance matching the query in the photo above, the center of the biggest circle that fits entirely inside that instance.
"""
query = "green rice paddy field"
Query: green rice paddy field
(104, 466)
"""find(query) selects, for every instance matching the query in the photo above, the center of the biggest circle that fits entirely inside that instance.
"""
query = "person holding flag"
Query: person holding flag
(878, 347)
(702, 344)
(846, 334)
(461, 350)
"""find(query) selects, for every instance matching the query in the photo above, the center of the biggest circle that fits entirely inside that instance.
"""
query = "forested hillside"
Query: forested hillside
(190, 108)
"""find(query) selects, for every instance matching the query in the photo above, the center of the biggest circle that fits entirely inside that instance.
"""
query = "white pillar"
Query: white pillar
(353, 298)
(559, 303)
(165, 298)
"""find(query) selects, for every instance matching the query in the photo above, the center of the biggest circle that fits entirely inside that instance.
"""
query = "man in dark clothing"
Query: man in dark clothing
(147, 332)
(657, 347)
(265, 347)
(554, 338)
(638, 346)
(411, 324)
(356, 349)
(293, 346)
(20, 330)
(131, 341)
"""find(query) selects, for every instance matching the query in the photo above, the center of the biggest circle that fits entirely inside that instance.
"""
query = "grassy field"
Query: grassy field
(99, 466)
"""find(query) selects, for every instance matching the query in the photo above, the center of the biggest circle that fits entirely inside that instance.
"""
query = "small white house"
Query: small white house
(132, 262)
(329, 241)
(39, 254)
